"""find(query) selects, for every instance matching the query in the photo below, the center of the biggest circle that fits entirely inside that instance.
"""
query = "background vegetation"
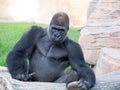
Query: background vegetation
(10, 33)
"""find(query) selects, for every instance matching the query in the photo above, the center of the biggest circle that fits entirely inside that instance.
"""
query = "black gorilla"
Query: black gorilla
(49, 52)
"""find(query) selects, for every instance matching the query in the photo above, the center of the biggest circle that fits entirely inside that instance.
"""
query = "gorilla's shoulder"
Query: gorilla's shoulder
(36, 30)
(70, 42)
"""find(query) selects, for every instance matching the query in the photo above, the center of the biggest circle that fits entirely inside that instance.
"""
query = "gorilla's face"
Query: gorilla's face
(57, 34)
(58, 27)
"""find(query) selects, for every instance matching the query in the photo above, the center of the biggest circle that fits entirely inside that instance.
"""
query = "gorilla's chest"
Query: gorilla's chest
(47, 49)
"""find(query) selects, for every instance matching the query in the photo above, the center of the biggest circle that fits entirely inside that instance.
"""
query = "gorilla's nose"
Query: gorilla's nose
(57, 35)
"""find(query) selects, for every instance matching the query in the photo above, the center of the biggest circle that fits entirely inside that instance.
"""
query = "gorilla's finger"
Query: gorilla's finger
(82, 86)
(72, 85)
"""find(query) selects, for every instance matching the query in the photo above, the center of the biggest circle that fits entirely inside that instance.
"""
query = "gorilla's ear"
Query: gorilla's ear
(60, 19)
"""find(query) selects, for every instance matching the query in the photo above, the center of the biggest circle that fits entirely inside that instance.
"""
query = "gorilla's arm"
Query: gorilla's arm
(86, 76)
(16, 59)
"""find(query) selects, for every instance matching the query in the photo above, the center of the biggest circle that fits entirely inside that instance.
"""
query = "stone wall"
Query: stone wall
(102, 31)
(43, 10)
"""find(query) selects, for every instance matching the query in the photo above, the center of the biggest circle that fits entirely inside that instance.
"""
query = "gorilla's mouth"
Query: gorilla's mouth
(56, 40)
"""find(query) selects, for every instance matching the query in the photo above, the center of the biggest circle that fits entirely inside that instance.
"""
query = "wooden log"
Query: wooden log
(3, 69)
(12, 84)
(110, 81)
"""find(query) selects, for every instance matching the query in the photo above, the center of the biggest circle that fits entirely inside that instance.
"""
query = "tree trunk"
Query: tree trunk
(110, 81)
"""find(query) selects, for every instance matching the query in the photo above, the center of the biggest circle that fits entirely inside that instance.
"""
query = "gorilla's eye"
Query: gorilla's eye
(53, 30)
(61, 30)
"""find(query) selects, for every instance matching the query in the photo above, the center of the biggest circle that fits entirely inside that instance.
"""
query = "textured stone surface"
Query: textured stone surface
(110, 81)
(106, 14)
(108, 61)
(102, 30)
(93, 39)
(92, 6)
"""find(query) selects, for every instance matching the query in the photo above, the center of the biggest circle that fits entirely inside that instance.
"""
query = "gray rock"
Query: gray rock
(102, 30)
(108, 61)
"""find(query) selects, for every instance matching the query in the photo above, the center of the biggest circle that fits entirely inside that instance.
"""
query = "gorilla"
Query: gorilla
(43, 54)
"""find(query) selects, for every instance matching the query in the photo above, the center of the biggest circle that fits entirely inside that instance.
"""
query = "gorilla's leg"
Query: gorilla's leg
(68, 77)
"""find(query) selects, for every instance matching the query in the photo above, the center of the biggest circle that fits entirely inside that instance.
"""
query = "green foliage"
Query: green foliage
(74, 34)
(10, 33)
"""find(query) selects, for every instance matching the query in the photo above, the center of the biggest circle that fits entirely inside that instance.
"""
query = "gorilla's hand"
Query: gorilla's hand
(79, 85)
(24, 76)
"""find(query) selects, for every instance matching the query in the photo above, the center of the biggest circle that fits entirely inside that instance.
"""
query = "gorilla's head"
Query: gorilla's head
(58, 27)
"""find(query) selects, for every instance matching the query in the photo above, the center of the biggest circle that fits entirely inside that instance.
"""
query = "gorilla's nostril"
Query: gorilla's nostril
(57, 35)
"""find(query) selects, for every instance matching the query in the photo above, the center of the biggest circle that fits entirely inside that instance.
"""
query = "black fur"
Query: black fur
(49, 52)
